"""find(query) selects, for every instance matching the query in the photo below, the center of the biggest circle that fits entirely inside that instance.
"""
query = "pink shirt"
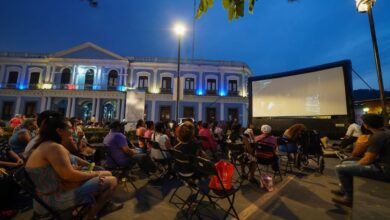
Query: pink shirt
(210, 143)
(267, 139)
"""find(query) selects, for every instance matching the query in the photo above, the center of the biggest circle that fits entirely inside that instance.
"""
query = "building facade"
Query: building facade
(89, 80)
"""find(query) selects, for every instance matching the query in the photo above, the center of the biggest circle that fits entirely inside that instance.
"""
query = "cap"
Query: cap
(266, 129)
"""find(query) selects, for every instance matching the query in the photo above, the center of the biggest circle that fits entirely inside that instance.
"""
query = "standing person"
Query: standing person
(375, 163)
(59, 184)
(352, 134)
(292, 136)
(15, 121)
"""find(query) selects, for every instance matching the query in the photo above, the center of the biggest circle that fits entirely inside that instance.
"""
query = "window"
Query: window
(89, 75)
(29, 109)
(34, 79)
(165, 113)
(189, 84)
(7, 110)
(65, 77)
(166, 85)
(232, 87)
(188, 112)
(211, 87)
(112, 79)
(13, 78)
(143, 82)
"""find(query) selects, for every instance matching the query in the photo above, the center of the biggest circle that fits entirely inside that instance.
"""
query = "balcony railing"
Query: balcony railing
(232, 93)
(211, 92)
(189, 92)
(166, 91)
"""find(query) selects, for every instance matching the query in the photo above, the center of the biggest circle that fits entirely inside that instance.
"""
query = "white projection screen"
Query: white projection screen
(317, 93)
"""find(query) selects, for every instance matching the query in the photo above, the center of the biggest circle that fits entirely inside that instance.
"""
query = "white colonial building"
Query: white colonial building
(88, 80)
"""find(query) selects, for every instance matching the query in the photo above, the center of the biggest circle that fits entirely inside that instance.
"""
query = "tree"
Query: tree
(235, 8)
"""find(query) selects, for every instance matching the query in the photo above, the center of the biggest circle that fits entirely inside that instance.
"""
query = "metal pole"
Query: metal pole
(178, 81)
(377, 62)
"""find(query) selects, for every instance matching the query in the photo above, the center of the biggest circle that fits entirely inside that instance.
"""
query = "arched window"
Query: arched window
(89, 79)
(34, 80)
(12, 79)
(65, 76)
(112, 79)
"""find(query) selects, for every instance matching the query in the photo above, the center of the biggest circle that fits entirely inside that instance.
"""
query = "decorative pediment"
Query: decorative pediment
(87, 51)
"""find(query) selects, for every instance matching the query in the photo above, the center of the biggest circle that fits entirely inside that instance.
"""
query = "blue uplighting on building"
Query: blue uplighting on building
(22, 86)
(222, 93)
(121, 88)
(199, 92)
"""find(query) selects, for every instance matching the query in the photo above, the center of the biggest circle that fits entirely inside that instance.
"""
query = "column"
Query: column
(244, 114)
(74, 75)
(153, 111)
(68, 105)
(222, 111)
(48, 103)
(200, 111)
(17, 106)
(222, 84)
(123, 109)
(200, 80)
(43, 104)
(124, 77)
(73, 107)
(93, 106)
(118, 108)
(98, 110)
(47, 74)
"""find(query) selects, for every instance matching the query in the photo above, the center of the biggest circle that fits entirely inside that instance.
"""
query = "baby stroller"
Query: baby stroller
(311, 149)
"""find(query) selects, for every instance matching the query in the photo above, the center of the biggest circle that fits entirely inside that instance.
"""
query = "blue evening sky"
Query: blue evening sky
(279, 36)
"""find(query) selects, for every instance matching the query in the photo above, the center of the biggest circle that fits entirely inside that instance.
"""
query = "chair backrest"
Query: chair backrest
(23, 180)
(108, 153)
(154, 144)
(236, 148)
(204, 166)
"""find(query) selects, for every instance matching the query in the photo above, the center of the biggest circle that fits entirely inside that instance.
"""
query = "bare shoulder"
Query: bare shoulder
(52, 147)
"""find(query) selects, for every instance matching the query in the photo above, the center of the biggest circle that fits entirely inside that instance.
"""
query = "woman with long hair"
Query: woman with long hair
(57, 182)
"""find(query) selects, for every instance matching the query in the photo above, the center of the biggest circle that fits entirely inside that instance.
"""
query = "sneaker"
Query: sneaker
(345, 201)
(337, 192)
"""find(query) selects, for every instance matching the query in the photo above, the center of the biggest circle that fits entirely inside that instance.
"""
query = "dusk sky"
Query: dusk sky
(279, 36)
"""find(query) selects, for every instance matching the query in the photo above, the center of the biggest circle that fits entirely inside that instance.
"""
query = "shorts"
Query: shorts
(85, 193)
(288, 148)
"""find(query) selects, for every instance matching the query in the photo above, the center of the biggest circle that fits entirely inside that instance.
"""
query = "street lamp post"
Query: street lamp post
(362, 7)
(179, 30)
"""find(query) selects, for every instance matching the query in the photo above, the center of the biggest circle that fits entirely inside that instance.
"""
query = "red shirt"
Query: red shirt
(14, 122)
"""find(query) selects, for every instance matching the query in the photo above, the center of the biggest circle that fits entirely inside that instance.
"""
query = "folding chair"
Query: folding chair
(165, 161)
(208, 168)
(235, 151)
(188, 180)
(265, 155)
(22, 179)
(289, 162)
(122, 173)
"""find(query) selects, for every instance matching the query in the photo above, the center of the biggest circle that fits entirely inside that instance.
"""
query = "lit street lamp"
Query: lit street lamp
(366, 6)
(180, 30)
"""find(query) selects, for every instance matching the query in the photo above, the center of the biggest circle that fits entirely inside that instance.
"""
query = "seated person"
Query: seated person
(375, 163)
(247, 159)
(188, 146)
(140, 133)
(121, 153)
(57, 182)
(268, 139)
(162, 139)
(8, 190)
(249, 132)
(360, 145)
(352, 134)
(22, 135)
(208, 142)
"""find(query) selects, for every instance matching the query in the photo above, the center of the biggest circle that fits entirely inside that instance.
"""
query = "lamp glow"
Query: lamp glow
(365, 110)
(180, 29)
(363, 5)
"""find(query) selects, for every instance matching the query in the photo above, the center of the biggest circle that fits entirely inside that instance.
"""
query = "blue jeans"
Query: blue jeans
(348, 169)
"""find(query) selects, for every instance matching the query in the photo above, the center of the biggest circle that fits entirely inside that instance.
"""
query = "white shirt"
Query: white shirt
(161, 139)
(353, 130)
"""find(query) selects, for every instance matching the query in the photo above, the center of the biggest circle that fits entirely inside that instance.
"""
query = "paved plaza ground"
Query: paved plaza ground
(301, 195)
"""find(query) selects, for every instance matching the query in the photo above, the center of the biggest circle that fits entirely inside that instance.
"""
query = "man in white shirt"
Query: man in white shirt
(351, 135)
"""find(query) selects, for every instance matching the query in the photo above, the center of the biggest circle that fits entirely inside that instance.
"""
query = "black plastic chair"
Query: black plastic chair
(188, 180)
(122, 173)
(23, 180)
(266, 156)
(165, 162)
(289, 162)
(208, 168)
